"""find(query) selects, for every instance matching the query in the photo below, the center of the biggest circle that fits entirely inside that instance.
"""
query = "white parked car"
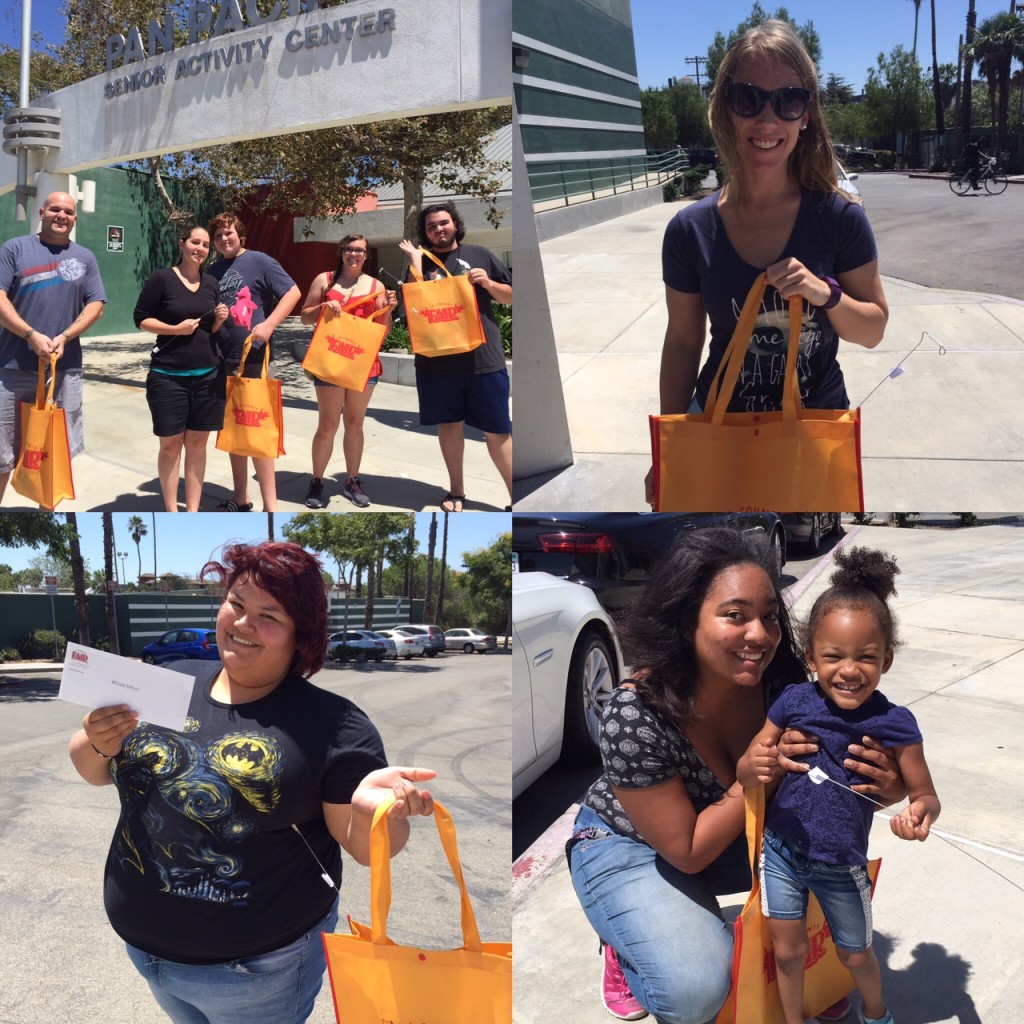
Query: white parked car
(565, 665)
(469, 640)
(846, 180)
(407, 645)
(390, 647)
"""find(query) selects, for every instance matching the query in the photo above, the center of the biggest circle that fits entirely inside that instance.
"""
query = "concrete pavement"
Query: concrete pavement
(949, 931)
(402, 468)
(950, 425)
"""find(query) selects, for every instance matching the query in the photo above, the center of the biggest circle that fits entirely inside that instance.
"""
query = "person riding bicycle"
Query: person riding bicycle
(974, 157)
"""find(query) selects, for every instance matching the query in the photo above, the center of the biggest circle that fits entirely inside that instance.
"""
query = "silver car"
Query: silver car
(469, 640)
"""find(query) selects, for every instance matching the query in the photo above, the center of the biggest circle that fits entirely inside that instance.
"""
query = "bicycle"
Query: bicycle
(995, 181)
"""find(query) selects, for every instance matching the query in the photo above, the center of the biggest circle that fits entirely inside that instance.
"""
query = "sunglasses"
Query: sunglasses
(746, 100)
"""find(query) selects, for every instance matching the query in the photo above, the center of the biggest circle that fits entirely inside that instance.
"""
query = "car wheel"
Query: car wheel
(776, 546)
(148, 659)
(467, 648)
(592, 678)
(814, 538)
(837, 524)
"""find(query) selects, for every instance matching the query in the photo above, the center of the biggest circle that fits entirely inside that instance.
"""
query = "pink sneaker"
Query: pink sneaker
(837, 1011)
(618, 1000)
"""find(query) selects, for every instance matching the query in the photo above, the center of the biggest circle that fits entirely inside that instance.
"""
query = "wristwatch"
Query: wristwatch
(837, 292)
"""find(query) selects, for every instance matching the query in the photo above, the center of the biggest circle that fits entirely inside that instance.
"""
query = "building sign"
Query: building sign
(115, 238)
(205, 23)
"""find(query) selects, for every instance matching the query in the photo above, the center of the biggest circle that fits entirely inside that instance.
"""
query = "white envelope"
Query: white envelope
(97, 679)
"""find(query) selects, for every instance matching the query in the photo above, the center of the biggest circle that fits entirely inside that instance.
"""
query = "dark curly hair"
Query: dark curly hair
(451, 210)
(864, 579)
(658, 633)
(292, 576)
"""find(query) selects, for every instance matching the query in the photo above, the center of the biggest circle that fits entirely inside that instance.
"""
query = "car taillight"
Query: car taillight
(576, 543)
(206, 644)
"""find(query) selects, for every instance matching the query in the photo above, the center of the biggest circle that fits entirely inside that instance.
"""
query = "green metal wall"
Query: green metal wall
(128, 200)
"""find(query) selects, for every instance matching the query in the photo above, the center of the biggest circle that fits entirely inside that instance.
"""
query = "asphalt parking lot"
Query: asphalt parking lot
(949, 915)
(59, 959)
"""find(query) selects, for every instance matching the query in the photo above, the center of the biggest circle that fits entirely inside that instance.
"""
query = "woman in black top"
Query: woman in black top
(229, 829)
(185, 385)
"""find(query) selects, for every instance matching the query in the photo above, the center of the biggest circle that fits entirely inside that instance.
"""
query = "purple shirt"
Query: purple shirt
(831, 235)
(822, 821)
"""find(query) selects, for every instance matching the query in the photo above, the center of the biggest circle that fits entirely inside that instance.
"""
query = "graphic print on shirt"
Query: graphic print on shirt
(764, 367)
(47, 274)
(211, 797)
(236, 295)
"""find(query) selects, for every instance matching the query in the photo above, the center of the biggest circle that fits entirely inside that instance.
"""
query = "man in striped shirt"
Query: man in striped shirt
(50, 294)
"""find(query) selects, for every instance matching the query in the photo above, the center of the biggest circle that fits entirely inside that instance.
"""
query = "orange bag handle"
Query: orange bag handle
(732, 359)
(428, 253)
(44, 394)
(380, 875)
(360, 299)
(246, 347)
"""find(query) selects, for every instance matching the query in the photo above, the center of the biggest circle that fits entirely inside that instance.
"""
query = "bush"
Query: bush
(938, 166)
(719, 174)
(863, 518)
(968, 518)
(40, 644)
(906, 520)
(673, 190)
(694, 177)
(10, 654)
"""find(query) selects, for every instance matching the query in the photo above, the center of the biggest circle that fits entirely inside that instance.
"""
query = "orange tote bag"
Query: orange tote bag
(754, 994)
(786, 461)
(43, 470)
(253, 412)
(344, 346)
(374, 979)
(443, 315)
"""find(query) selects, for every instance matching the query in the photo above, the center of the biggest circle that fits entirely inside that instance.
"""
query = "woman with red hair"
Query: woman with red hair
(228, 830)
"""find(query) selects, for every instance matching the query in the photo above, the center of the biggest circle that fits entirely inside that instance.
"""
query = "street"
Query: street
(927, 235)
(61, 961)
(948, 912)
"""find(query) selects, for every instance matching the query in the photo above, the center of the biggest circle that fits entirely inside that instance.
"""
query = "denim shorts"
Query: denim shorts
(279, 987)
(18, 386)
(843, 890)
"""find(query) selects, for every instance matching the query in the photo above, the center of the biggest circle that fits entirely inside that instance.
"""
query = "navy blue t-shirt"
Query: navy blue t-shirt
(831, 236)
(822, 821)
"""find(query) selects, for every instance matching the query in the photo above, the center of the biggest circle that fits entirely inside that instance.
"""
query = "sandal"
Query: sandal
(453, 500)
(232, 506)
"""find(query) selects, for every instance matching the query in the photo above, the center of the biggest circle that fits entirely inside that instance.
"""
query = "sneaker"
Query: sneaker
(887, 1019)
(315, 494)
(618, 1000)
(837, 1011)
(353, 490)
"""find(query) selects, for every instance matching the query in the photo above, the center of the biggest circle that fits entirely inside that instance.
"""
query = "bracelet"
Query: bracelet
(100, 752)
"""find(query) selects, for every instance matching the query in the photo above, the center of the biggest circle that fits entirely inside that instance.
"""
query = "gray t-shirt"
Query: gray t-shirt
(48, 285)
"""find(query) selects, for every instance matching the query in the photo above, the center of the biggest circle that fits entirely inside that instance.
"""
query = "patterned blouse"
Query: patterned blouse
(640, 748)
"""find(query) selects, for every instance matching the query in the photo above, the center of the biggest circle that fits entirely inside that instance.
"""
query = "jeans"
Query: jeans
(843, 891)
(673, 944)
(278, 987)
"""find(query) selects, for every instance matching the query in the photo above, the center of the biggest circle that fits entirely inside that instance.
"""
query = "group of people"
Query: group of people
(203, 313)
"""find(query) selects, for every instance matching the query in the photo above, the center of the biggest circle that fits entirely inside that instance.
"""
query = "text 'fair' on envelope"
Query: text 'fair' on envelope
(97, 679)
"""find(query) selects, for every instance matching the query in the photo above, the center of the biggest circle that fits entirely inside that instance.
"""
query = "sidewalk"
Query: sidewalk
(402, 468)
(948, 931)
(951, 424)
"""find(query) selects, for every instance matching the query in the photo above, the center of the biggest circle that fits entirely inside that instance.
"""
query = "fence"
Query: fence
(562, 183)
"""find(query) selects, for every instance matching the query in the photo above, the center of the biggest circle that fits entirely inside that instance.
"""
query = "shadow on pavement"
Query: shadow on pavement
(932, 988)
(28, 689)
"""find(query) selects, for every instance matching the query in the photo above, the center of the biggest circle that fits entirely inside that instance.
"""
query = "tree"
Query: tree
(137, 529)
(78, 578)
(806, 32)
(431, 548)
(32, 530)
(659, 120)
(488, 579)
(837, 90)
(410, 554)
(998, 40)
(108, 573)
(894, 95)
(439, 610)
(691, 113)
(917, 12)
(937, 94)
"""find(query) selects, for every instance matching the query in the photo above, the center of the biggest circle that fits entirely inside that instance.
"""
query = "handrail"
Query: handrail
(582, 180)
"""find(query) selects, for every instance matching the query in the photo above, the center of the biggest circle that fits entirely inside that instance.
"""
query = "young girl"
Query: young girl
(816, 836)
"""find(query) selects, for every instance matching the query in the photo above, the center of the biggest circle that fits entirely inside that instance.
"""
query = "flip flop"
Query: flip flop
(453, 500)
(232, 506)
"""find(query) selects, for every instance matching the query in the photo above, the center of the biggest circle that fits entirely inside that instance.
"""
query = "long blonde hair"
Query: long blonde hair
(812, 164)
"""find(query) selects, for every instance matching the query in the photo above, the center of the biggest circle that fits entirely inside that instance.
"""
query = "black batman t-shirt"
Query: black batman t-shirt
(204, 865)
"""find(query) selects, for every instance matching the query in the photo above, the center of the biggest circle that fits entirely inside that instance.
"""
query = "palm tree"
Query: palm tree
(270, 526)
(431, 548)
(410, 548)
(78, 576)
(917, 11)
(940, 114)
(137, 529)
(999, 39)
(108, 572)
(444, 573)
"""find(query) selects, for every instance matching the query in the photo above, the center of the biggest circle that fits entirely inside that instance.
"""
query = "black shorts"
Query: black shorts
(178, 404)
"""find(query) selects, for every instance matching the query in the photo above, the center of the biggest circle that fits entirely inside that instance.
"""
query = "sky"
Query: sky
(186, 542)
(852, 34)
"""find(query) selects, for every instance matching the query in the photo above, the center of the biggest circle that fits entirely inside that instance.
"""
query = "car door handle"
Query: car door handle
(539, 659)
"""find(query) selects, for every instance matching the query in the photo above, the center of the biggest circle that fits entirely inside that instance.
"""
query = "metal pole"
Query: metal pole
(21, 194)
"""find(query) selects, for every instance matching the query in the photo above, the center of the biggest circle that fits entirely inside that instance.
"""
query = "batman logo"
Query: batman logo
(250, 763)
(243, 755)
